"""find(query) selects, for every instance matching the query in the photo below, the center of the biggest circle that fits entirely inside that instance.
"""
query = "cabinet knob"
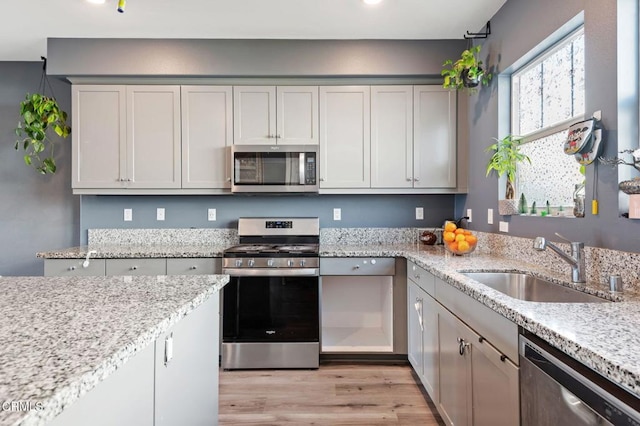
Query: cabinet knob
(278, 137)
(503, 358)
(416, 179)
(228, 179)
(462, 346)
(193, 268)
(356, 267)
(408, 179)
(72, 268)
(480, 339)
(321, 179)
(417, 276)
(133, 268)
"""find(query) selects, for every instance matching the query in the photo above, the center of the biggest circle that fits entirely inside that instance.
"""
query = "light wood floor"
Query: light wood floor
(335, 394)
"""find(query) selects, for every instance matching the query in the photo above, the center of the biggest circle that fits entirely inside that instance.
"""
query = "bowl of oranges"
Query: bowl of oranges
(458, 240)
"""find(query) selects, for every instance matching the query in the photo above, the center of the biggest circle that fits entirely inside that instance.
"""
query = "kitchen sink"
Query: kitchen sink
(531, 288)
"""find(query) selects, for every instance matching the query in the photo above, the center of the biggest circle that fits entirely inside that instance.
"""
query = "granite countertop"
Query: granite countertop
(603, 336)
(60, 336)
(600, 335)
(126, 251)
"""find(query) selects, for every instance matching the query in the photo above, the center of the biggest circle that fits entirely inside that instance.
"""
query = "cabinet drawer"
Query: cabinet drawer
(358, 266)
(501, 332)
(194, 266)
(136, 267)
(426, 280)
(73, 267)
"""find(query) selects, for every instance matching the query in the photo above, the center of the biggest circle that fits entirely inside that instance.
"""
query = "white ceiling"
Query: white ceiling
(26, 24)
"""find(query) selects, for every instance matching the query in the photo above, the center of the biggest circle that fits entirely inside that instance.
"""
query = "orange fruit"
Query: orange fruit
(450, 227)
(448, 236)
(459, 231)
(460, 237)
(463, 246)
(471, 239)
(467, 232)
(453, 246)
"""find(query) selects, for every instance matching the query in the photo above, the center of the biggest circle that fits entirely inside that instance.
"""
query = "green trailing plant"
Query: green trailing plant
(504, 161)
(466, 72)
(40, 115)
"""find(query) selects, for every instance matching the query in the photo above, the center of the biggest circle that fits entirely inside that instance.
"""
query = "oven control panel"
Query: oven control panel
(279, 224)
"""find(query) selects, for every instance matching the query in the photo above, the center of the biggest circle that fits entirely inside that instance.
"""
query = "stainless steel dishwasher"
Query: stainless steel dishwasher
(555, 389)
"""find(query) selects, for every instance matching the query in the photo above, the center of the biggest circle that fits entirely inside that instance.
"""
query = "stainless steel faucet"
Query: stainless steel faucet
(576, 260)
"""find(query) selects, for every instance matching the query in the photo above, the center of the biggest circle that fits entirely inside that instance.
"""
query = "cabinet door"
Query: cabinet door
(297, 115)
(207, 131)
(254, 115)
(98, 136)
(186, 387)
(392, 136)
(454, 372)
(153, 136)
(194, 266)
(415, 324)
(495, 384)
(434, 137)
(345, 137)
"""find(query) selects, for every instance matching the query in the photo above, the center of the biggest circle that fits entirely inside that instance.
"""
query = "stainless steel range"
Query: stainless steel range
(271, 315)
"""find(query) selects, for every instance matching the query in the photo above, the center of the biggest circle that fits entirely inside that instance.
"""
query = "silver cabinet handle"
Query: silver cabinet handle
(168, 349)
(462, 346)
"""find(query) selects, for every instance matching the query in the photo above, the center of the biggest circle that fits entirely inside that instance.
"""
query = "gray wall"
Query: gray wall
(36, 212)
(100, 211)
(513, 35)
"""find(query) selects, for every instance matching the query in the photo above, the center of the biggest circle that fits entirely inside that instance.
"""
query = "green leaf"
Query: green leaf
(27, 159)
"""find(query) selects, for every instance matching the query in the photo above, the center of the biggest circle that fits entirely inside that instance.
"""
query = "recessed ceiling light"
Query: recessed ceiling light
(97, 1)
(372, 1)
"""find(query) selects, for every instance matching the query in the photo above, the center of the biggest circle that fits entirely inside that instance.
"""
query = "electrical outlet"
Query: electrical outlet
(419, 213)
(337, 214)
(160, 213)
(211, 215)
(504, 226)
(128, 215)
(469, 216)
(490, 216)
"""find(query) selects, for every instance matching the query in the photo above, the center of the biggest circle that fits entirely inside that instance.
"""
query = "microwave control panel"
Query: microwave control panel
(310, 169)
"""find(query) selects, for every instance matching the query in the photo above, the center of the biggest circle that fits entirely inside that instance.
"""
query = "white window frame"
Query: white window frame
(515, 94)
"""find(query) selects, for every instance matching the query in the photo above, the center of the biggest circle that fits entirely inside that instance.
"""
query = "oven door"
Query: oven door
(274, 168)
(271, 309)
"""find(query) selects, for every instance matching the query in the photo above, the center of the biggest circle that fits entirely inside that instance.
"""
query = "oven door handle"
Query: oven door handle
(246, 272)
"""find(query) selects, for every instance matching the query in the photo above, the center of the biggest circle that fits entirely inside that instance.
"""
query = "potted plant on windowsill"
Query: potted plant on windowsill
(466, 73)
(504, 161)
(40, 114)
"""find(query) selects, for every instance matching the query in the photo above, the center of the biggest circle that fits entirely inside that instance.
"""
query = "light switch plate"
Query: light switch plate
(419, 213)
(337, 214)
(469, 216)
(490, 216)
(504, 226)
(128, 215)
(211, 215)
(160, 213)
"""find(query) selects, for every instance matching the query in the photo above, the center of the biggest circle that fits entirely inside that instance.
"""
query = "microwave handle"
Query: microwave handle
(301, 168)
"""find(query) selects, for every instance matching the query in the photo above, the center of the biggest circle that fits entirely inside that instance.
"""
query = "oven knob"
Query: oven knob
(251, 262)
(270, 263)
(238, 263)
(290, 262)
(302, 262)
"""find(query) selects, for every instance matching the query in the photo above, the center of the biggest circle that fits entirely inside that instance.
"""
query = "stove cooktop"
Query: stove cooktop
(272, 250)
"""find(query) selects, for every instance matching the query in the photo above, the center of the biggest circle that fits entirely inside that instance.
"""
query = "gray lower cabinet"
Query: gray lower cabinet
(160, 385)
(74, 267)
(133, 266)
(186, 361)
(463, 353)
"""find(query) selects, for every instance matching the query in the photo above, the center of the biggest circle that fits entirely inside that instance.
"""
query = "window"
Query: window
(548, 96)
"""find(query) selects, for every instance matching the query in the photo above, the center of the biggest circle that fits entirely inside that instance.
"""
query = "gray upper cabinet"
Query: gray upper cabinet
(126, 137)
(345, 137)
(207, 131)
(99, 136)
(286, 115)
(392, 137)
(434, 137)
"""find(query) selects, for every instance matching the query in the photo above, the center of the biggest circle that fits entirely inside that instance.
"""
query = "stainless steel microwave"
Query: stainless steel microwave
(274, 168)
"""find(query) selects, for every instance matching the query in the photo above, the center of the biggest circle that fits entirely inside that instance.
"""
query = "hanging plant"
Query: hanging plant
(40, 115)
(466, 73)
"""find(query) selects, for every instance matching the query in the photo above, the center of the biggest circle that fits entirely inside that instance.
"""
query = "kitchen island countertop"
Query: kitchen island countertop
(61, 336)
